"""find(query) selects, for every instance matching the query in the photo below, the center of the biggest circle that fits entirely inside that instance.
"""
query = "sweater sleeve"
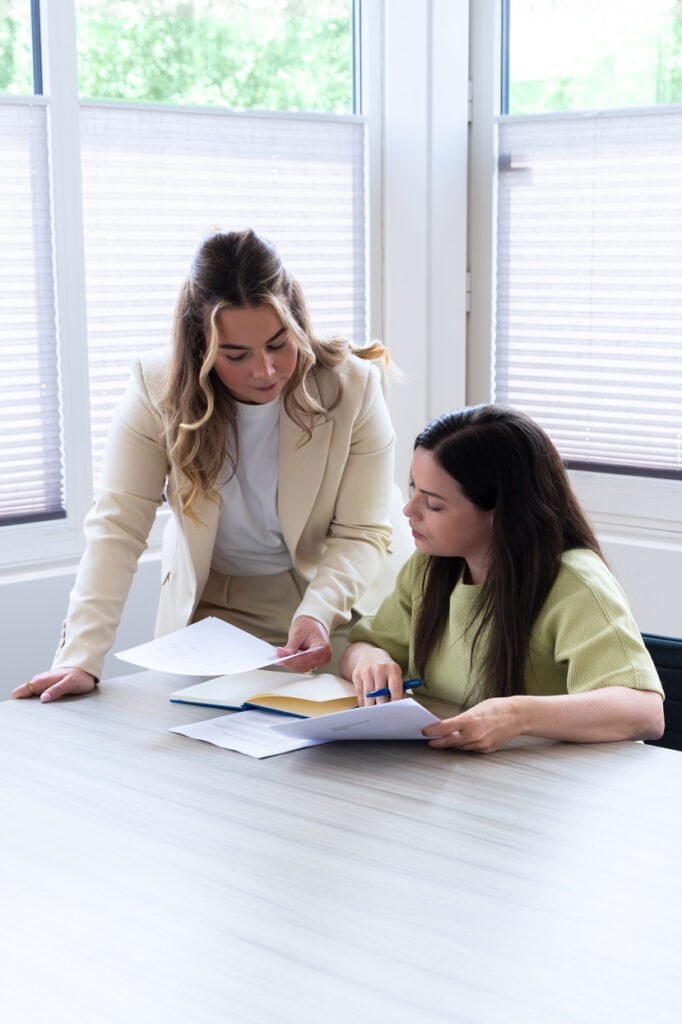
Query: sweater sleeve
(589, 622)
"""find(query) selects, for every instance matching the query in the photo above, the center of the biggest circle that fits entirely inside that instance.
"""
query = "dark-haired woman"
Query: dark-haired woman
(274, 450)
(507, 608)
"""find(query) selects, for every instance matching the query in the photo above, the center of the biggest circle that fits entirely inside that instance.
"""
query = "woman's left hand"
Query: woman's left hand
(304, 634)
(486, 727)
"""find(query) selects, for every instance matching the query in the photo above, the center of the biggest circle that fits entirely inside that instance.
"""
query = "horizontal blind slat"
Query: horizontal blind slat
(588, 334)
(31, 479)
(155, 181)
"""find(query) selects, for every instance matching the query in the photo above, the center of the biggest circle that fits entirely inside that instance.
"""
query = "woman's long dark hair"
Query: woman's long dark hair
(504, 461)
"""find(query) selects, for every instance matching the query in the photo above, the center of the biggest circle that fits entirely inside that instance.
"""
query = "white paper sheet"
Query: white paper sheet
(264, 733)
(248, 732)
(396, 720)
(206, 648)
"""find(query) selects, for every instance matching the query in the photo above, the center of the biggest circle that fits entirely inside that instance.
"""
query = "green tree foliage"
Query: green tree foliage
(271, 56)
(263, 54)
(16, 63)
(669, 64)
(631, 62)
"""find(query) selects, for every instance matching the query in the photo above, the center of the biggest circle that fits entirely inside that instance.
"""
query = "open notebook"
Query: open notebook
(302, 695)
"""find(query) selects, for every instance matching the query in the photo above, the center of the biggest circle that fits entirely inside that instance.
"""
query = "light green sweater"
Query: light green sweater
(584, 637)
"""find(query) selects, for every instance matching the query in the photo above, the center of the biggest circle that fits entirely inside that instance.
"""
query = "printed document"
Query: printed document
(248, 732)
(261, 733)
(395, 720)
(210, 647)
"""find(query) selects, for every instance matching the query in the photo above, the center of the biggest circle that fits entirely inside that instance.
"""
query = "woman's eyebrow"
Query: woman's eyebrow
(247, 348)
(431, 494)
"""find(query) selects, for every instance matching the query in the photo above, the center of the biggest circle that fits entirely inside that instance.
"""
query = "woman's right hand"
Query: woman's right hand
(52, 685)
(371, 668)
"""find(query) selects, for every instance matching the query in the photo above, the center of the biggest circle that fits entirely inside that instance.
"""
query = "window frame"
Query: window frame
(61, 538)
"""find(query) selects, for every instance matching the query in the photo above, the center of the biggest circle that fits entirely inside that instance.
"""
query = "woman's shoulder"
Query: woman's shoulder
(583, 564)
(149, 372)
(153, 366)
(142, 397)
(351, 371)
(583, 571)
(588, 624)
(351, 387)
(412, 571)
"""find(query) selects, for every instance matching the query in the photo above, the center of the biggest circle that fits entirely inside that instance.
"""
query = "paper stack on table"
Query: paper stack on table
(262, 734)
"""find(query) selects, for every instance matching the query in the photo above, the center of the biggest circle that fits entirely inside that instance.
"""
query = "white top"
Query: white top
(249, 541)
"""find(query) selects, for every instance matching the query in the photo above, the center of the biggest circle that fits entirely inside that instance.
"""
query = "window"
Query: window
(16, 50)
(148, 158)
(588, 315)
(295, 55)
(31, 484)
(569, 55)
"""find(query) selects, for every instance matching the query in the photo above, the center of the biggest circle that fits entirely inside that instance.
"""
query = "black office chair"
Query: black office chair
(666, 652)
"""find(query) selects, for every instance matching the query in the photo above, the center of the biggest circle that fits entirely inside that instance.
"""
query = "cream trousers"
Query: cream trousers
(263, 606)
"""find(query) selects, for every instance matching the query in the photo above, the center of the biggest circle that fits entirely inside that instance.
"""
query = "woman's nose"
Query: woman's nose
(264, 366)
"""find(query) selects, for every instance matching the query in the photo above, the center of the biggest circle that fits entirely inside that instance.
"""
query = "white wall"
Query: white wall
(32, 607)
(648, 571)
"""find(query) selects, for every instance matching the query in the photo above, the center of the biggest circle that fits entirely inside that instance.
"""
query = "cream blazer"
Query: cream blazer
(336, 501)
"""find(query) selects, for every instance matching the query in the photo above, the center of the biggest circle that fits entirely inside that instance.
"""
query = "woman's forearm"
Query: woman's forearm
(609, 713)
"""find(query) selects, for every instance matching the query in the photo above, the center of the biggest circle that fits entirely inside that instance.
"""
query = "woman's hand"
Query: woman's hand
(486, 727)
(597, 716)
(370, 668)
(304, 634)
(52, 685)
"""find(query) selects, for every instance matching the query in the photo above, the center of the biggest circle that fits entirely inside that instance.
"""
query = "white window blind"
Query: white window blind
(155, 180)
(31, 484)
(589, 285)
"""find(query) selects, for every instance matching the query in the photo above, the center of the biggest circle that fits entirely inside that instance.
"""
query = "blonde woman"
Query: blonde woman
(274, 451)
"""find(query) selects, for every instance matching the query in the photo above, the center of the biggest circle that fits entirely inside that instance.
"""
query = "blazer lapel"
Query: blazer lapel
(301, 470)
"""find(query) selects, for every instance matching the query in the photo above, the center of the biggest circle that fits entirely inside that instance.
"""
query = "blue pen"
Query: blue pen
(409, 684)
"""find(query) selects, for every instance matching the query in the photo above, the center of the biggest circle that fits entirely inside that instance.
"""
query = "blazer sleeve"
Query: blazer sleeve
(391, 627)
(360, 532)
(134, 472)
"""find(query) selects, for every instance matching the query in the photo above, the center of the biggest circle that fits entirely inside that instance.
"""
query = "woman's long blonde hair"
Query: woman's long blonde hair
(235, 269)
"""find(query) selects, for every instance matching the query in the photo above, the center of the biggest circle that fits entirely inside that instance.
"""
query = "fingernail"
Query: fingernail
(45, 697)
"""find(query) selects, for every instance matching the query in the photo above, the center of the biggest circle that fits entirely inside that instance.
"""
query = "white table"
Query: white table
(147, 877)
